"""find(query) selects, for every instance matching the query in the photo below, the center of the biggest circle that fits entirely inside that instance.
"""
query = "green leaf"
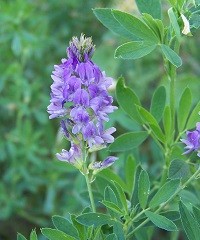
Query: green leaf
(158, 103)
(164, 193)
(105, 16)
(171, 55)
(64, 225)
(173, 2)
(143, 188)
(121, 196)
(197, 2)
(171, 215)
(155, 25)
(134, 50)
(167, 123)
(33, 235)
(95, 219)
(178, 169)
(54, 234)
(128, 141)
(180, 4)
(184, 108)
(20, 237)
(111, 237)
(174, 23)
(110, 196)
(189, 197)
(149, 119)
(135, 26)
(134, 197)
(195, 21)
(161, 221)
(108, 174)
(177, 4)
(196, 212)
(80, 228)
(127, 99)
(153, 7)
(97, 233)
(194, 117)
(130, 169)
(118, 230)
(189, 223)
(112, 207)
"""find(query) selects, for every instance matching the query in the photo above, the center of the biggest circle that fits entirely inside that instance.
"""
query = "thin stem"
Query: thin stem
(164, 175)
(179, 135)
(153, 136)
(166, 166)
(139, 214)
(171, 73)
(163, 205)
(172, 99)
(86, 174)
(172, 78)
(90, 192)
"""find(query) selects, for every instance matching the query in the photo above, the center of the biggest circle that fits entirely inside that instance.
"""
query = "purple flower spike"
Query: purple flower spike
(98, 166)
(192, 140)
(79, 96)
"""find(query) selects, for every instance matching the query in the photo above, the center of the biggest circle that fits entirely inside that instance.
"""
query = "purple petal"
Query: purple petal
(71, 156)
(106, 163)
(198, 126)
(64, 128)
(81, 97)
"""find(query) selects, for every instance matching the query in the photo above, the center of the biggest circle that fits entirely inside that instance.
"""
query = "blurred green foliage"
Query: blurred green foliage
(33, 37)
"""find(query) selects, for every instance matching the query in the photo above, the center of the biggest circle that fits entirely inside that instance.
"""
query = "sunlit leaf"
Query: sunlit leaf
(134, 50)
(153, 7)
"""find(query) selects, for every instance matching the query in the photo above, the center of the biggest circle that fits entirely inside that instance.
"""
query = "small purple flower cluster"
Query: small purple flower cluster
(192, 140)
(79, 96)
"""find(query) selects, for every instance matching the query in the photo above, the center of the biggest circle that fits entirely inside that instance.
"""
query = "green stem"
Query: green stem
(164, 175)
(171, 73)
(166, 166)
(171, 198)
(90, 192)
(139, 214)
(172, 77)
(153, 136)
(87, 179)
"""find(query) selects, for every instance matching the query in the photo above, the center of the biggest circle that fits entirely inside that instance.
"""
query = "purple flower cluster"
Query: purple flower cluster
(192, 140)
(79, 96)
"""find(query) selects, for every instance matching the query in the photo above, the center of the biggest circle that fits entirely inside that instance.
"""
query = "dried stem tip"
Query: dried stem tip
(82, 48)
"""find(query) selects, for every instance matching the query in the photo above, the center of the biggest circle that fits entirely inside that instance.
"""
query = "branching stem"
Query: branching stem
(163, 205)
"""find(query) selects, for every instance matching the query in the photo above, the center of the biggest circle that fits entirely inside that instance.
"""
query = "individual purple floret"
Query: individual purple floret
(192, 140)
(98, 166)
(73, 156)
(79, 96)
